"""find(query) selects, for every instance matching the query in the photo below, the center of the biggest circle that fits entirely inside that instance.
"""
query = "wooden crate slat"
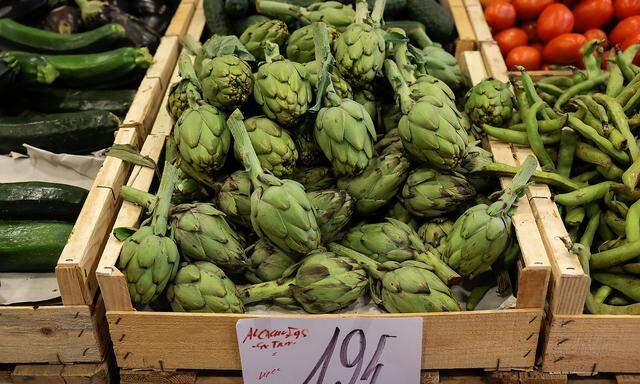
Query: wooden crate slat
(164, 61)
(198, 21)
(478, 22)
(145, 106)
(481, 339)
(61, 374)
(471, 64)
(493, 61)
(181, 19)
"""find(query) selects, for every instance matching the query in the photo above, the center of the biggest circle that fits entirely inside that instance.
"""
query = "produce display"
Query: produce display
(336, 164)
(583, 130)
(544, 34)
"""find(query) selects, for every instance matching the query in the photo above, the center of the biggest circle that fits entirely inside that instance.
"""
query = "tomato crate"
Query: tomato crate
(72, 331)
(466, 40)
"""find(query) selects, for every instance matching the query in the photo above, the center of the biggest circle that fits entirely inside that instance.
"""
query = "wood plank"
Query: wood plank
(471, 64)
(63, 374)
(144, 107)
(477, 20)
(588, 344)
(196, 27)
(481, 339)
(494, 61)
(156, 377)
(164, 61)
(628, 379)
(181, 19)
(51, 334)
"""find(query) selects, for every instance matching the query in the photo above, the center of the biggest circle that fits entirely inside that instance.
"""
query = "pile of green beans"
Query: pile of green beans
(584, 130)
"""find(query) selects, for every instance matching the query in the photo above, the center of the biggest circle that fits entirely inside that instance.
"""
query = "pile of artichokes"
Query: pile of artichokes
(322, 159)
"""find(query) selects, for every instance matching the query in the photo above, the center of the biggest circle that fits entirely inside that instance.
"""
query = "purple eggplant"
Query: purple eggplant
(65, 19)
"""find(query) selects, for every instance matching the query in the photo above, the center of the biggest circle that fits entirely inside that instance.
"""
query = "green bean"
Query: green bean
(522, 101)
(625, 192)
(604, 232)
(624, 66)
(549, 178)
(602, 293)
(516, 137)
(616, 113)
(589, 60)
(632, 103)
(574, 232)
(628, 285)
(535, 141)
(568, 142)
(558, 81)
(629, 90)
(634, 121)
(617, 139)
(630, 176)
(584, 177)
(615, 205)
(592, 155)
(574, 216)
(544, 126)
(604, 309)
(616, 82)
(596, 109)
(602, 143)
(591, 120)
(583, 195)
(551, 89)
(616, 224)
(632, 227)
(532, 95)
(612, 173)
(577, 75)
(582, 87)
(590, 231)
(547, 98)
(615, 256)
(628, 55)
(633, 268)
(618, 301)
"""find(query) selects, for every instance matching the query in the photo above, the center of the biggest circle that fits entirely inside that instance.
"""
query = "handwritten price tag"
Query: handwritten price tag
(330, 350)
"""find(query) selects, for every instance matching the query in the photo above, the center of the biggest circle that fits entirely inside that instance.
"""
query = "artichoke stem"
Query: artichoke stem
(421, 38)
(249, 157)
(440, 268)
(378, 11)
(324, 62)
(515, 188)
(371, 266)
(187, 71)
(138, 197)
(399, 85)
(269, 290)
(554, 179)
(271, 51)
(190, 43)
(278, 9)
(165, 191)
(362, 9)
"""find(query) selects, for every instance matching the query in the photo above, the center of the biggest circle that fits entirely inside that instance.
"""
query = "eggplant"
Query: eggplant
(9, 69)
(15, 9)
(65, 19)
(155, 14)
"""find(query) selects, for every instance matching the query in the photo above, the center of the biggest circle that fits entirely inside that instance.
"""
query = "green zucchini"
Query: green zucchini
(217, 20)
(236, 8)
(39, 200)
(391, 7)
(74, 132)
(32, 246)
(54, 100)
(22, 36)
(437, 20)
(32, 69)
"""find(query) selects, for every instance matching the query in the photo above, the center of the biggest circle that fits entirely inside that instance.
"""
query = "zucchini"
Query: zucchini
(32, 69)
(74, 132)
(54, 100)
(437, 20)
(32, 246)
(391, 7)
(217, 20)
(9, 69)
(236, 8)
(34, 39)
(40, 200)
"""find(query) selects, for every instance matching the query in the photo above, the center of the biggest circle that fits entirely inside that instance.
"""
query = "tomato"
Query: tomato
(605, 57)
(554, 20)
(631, 40)
(592, 14)
(530, 9)
(530, 28)
(564, 49)
(510, 38)
(500, 16)
(626, 28)
(526, 56)
(626, 8)
(595, 33)
(538, 47)
(486, 3)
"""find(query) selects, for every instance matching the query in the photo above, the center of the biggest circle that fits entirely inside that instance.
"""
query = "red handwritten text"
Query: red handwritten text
(267, 334)
(268, 373)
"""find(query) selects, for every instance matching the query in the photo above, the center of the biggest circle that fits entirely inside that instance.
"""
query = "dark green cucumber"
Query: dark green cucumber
(32, 246)
(391, 7)
(437, 20)
(54, 100)
(74, 132)
(217, 20)
(37, 200)
(34, 39)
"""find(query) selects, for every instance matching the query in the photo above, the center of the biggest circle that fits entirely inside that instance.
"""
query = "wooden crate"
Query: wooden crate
(95, 373)
(75, 330)
(466, 40)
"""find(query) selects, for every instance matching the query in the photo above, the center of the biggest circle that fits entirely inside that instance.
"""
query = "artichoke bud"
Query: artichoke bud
(399, 212)
(435, 232)
(227, 81)
(185, 92)
(274, 31)
(333, 13)
(314, 179)
(360, 53)
(334, 209)
(301, 48)
(391, 240)
(234, 198)
(267, 262)
(489, 102)
(436, 61)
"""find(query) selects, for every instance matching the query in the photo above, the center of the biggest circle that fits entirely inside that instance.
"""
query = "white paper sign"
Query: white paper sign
(330, 350)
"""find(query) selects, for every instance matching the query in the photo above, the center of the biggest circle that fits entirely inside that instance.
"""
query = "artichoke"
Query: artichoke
(203, 287)
(280, 209)
(273, 145)
(483, 232)
(429, 193)
(282, 88)
(390, 116)
(188, 190)
(324, 282)
(389, 143)
(378, 184)
(489, 102)
(431, 130)
(399, 212)
(314, 179)
(367, 99)
(333, 13)
(273, 31)
(340, 85)
(234, 198)
(360, 49)
(189, 87)
(267, 262)
(407, 287)
(334, 209)
(300, 47)
(435, 232)
(203, 234)
(429, 85)
(308, 150)
(149, 258)
(437, 62)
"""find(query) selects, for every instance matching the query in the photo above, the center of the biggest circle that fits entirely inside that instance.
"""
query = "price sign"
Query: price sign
(330, 350)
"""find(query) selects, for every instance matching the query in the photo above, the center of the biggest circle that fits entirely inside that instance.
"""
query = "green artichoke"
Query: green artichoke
(482, 233)
(390, 116)
(407, 287)
(435, 232)
(378, 184)
(273, 31)
(334, 209)
(489, 102)
(267, 262)
(314, 179)
(340, 85)
(367, 99)
(429, 85)
(274, 146)
(429, 193)
(333, 13)
(280, 209)
(188, 88)
(149, 258)
(234, 198)
(389, 143)
(203, 234)
(188, 190)
(437, 62)
(309, 152)
(431, 130)
(300, 47)
(203, 287)
(399, 212)
(282, 88)
(323, 283)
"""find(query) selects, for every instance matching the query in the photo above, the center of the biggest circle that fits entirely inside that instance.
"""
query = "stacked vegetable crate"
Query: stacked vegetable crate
(466, 40)
(75, 331)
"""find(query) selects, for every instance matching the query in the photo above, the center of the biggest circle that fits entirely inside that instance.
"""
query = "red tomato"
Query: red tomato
(511, 38)
(554, 20)
(538, 47)
(530, 9)
(595, 33)
(631, 40)
(500, 16)
(486, 3)
(526, 56)
(592, 14)
(530, 28)
(625, 29)
(564, 49)
(626, 8)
